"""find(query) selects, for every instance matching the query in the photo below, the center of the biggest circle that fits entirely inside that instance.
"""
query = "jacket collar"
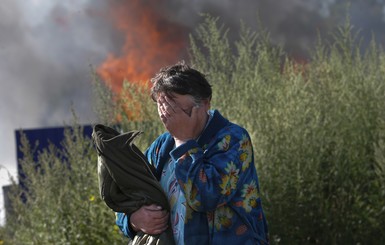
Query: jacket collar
(216, 123)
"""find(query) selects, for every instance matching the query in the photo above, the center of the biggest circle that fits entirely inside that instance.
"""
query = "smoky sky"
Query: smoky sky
(293, 24)
(47, 47)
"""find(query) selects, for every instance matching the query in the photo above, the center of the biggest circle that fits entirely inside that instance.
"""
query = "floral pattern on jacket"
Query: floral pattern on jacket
(219, 180)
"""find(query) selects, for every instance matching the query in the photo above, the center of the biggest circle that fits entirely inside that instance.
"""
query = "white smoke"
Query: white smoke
(46, 50)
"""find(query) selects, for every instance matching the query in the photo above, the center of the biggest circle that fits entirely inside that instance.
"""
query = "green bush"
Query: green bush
(62, 204)
(317, 130)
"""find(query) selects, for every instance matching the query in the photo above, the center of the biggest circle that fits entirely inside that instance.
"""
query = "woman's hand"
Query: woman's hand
(178, 122)
(150, 219)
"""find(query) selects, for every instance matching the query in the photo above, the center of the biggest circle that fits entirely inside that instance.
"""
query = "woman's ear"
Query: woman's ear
(206, 103)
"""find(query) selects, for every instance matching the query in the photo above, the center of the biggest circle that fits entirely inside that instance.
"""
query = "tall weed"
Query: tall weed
(317, 130)
(60, 203)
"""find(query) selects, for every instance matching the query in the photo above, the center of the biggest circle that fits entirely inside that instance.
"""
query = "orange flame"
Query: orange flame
(151, 41)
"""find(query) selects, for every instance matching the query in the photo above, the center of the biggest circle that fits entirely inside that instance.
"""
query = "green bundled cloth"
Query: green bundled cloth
(126, 180)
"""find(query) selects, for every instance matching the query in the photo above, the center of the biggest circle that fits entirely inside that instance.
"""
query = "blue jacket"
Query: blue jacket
(218, 178)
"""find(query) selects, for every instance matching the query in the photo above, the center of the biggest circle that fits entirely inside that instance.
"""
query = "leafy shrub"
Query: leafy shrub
(317, 130)
(61, 203)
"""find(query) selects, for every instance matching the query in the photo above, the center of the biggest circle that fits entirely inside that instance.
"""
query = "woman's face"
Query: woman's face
(185, 102)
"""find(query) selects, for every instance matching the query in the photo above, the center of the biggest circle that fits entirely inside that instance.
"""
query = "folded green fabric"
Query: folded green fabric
(126, 180)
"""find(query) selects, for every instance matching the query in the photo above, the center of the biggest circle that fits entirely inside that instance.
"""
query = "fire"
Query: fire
(151, 41)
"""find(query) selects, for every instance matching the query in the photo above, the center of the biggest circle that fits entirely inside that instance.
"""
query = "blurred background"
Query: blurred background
(48, 48)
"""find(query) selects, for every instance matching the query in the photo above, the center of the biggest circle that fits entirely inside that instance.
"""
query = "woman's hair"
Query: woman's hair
(181, 79)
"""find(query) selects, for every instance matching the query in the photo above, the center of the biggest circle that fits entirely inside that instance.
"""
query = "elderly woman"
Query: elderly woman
(205, 166)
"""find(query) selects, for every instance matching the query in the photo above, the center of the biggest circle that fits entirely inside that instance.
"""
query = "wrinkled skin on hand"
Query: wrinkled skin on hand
(182, 117)
(150, 219)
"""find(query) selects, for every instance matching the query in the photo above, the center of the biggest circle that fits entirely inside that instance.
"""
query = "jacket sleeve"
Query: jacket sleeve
(122, 221)
(211, 177)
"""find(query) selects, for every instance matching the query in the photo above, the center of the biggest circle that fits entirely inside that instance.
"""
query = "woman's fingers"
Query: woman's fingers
(150, 219)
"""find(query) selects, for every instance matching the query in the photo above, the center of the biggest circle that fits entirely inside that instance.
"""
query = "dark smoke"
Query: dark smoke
(294, 24)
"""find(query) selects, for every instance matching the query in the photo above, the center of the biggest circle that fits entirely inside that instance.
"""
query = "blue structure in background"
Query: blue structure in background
(44, 137)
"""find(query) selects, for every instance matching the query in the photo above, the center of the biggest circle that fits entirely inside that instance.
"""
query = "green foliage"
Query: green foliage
(62, 204)
(317, 130)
